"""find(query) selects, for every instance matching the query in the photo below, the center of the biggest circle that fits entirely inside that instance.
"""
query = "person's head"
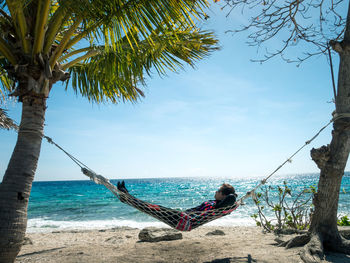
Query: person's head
(224, 190)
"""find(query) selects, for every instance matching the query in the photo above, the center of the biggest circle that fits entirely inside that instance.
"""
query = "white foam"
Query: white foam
(232, 221)
(46, 225)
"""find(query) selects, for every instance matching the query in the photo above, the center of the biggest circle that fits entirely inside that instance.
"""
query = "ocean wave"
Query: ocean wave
(46, 225)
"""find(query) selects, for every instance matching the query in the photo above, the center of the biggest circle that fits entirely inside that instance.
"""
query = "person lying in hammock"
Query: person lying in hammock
(224, 204)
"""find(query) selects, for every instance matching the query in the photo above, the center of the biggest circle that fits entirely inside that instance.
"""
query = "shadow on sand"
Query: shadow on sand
(247, 259)
(40, 252)
(337, 258)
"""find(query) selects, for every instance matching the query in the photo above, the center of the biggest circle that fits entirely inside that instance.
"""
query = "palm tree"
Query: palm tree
(105, 48)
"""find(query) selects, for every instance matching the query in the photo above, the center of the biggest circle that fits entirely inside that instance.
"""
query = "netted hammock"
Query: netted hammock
(181, 220)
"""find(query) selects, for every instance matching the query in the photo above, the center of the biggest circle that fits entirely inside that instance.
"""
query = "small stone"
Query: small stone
(117, 229)
(27, 241)
(216, 232)
(114, 240)
(153, 234)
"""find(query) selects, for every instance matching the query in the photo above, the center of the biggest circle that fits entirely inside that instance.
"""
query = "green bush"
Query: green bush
(290, 211)
(343, 221)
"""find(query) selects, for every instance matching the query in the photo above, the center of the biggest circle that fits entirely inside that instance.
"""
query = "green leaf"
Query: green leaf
(6, 122)
(254, 216)
(114, 76)
(343, 221)
(277, 208)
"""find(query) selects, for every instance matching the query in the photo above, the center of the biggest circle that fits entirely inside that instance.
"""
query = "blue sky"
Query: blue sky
(228, 117)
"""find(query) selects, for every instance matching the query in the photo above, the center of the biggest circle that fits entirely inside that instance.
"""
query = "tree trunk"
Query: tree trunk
(323, 228)
(17, 182)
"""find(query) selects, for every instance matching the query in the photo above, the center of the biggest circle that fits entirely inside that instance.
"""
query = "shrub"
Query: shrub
(343, 221)
(289, 211)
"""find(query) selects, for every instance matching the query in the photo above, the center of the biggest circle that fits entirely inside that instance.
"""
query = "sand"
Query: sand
(239, 244)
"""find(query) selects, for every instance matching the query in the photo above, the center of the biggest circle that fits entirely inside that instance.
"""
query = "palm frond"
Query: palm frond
(6, 83)
(43, 10)
(17, 12)
(114, 76)
(108, 21)
(93, 83)
(6, 122)
(146, 16)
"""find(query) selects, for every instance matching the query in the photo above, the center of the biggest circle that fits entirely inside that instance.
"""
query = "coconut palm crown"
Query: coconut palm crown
(105, 46)
(103, 49)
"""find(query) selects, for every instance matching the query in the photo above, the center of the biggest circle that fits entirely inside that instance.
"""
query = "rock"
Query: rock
(344, 231)
(216, 232)
(279, 240)
(153, 234)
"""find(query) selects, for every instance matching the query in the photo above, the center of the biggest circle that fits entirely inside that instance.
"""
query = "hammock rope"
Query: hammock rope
(183, 220)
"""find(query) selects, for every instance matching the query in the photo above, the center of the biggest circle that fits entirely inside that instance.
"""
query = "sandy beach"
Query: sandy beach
(238, 244)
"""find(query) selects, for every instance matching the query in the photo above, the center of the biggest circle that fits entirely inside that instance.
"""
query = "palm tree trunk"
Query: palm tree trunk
(17, 182)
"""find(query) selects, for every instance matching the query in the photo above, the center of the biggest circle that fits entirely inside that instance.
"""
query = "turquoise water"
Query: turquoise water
(84, 205)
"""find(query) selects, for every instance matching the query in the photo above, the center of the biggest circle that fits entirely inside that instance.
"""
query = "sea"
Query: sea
(78, 205)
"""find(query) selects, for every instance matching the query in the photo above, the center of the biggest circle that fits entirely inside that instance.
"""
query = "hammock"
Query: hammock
(180, 220)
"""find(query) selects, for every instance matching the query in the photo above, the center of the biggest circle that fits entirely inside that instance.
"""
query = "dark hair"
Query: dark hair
(227, 189)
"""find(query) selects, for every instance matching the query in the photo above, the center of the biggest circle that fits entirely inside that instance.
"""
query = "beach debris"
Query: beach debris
(153, 234)
(27, 241)
(119, 228)
(216, 232)
(114, 239)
